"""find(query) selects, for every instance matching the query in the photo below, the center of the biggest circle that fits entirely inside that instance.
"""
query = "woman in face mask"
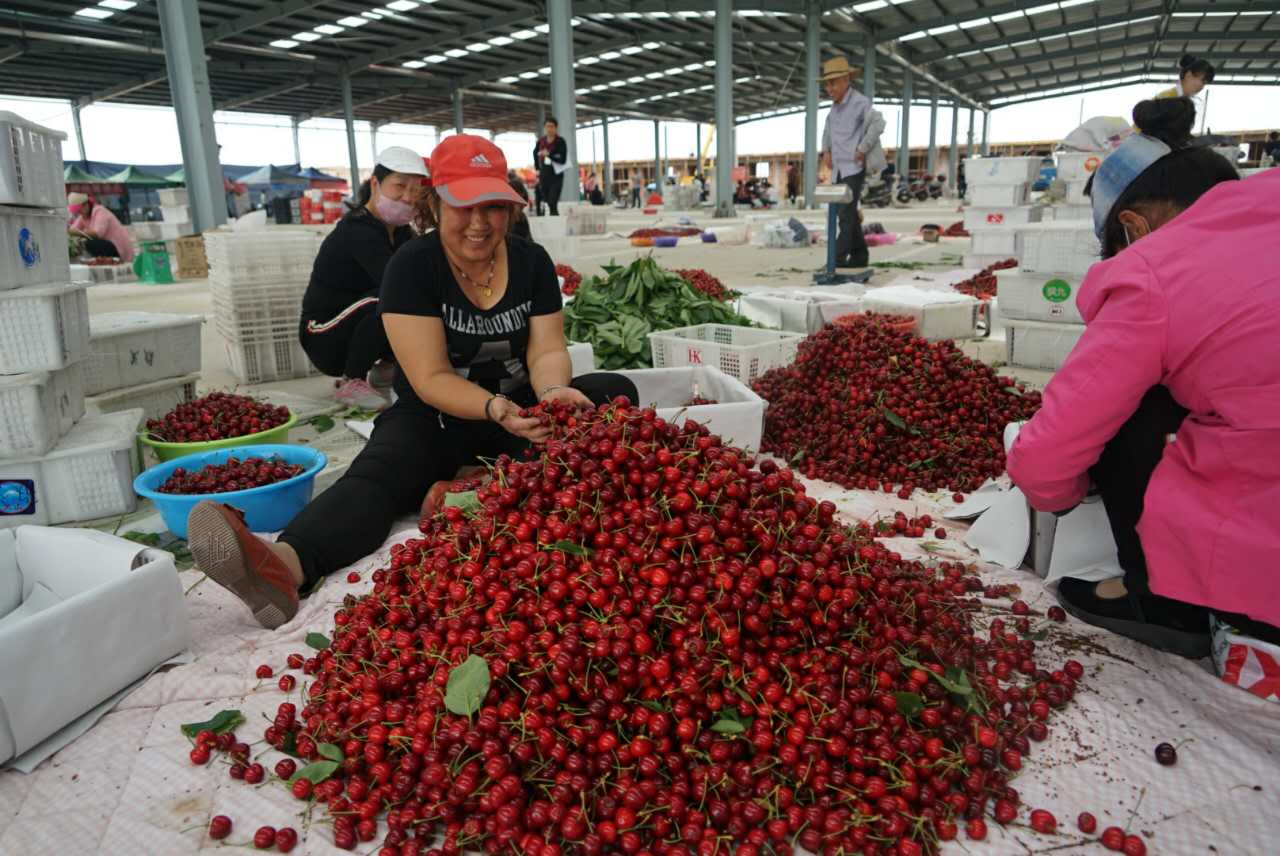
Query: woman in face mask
(340, 330)
(1170, 402)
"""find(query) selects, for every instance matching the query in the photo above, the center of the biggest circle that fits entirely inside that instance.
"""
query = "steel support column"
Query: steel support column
(542, 118)
(953, 153)
(348, 117)
(373, 141)
(724, 108)
(969, 151)
(869, 67)
(75, 121)
(658, 184)
(986, 143)
(608, 164)
(297, 148)
(697, 148)
(904, 145)
(193, 107)
(932, 162)
(457, 111)
(813, 63)
(560, 48)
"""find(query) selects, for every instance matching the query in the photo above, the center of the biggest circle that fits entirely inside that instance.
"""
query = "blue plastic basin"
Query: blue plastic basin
(266, 509)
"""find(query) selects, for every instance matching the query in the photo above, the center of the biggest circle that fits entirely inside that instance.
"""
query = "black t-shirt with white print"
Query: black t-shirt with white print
(486, 346)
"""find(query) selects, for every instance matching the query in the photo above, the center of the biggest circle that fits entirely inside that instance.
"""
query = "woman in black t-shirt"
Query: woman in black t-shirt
(473, 316)
(340, 329)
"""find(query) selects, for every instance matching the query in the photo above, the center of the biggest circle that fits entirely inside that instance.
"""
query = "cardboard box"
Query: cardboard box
(83, 615)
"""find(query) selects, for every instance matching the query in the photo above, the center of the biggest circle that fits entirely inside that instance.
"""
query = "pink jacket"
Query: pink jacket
(107, 226)
(1194, 306)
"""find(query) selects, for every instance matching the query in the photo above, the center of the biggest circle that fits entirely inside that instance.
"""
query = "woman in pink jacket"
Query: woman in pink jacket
(1170, 403)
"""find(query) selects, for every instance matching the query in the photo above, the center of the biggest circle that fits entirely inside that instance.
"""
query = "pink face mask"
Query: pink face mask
(393, 212)
(74, 209)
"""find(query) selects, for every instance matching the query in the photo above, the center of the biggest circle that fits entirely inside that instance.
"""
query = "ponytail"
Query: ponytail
(365, 190)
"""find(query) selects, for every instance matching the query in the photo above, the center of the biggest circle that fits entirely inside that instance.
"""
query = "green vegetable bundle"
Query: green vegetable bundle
(616, 314)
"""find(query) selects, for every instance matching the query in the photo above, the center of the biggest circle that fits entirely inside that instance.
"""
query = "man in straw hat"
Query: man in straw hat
(850, 138)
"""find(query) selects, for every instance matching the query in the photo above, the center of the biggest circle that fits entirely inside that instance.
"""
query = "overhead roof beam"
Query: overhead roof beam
(895, 33)
(12, 52)
(432, 41)
(1082, 27)
(123, 87)
(264, 94)
(602, 7)
(268, 13)
(1048, 56)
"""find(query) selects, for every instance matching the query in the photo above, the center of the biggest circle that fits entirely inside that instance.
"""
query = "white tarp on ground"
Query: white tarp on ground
(127, 786)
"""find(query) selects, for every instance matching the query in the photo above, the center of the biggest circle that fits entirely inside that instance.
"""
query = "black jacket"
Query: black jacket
(559, 155)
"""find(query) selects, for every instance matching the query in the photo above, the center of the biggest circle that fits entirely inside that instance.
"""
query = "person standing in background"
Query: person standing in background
(793, 183)
(105, 235)
(636, 189)
(550, 158)
(1194, 74)
(850, 147)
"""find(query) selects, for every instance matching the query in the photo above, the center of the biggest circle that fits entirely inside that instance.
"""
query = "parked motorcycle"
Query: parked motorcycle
(937, 185)
(877, 194)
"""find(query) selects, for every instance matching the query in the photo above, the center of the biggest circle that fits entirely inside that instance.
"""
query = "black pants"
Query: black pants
(350, 347)
(1122, 475)
(851, 245)
(551, 192)
(101, 248)
(411, 449)
(635, 197)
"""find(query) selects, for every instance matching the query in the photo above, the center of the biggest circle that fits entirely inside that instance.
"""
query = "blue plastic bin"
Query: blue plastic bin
(266, 509)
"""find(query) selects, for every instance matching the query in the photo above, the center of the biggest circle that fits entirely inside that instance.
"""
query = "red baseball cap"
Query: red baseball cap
(467, 170)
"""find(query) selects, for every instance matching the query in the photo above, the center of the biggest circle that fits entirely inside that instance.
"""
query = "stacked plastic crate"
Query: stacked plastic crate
(1074, 170)
(257, 280)
(999, 193)
(148, 360)
(56, 464)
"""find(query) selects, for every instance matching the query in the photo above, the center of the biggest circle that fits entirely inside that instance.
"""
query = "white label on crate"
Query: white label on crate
(1092, 163)
(695, 356)
(28, 247)
(17, 497)
(995, 218)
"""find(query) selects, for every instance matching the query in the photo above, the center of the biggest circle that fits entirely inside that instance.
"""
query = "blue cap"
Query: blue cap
(1130, 159)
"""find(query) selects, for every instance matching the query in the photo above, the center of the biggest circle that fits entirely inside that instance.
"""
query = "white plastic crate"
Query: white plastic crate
(587, 220)
(1039, 345)
(1076, 194)
(172, 231)
(36, 408)
(1058, 247)
(1038, 297)
(564, 249)
(33, 247)
(30, 163)
(99, 274)
(1077, 166)
(256, 361)
(997, 241)
(799, 310)
(43, 328)
(1001, 215)
(175, 213)
(129, 348)
(938, 314)
(744, 353)
(172, 195)
(88, 475)
(737, 416)
(288, 254)
(154, 399)
(983, 171)
(993, 195)
(1065, 213)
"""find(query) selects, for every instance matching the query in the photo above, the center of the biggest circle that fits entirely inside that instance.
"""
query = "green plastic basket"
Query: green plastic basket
(169, 451)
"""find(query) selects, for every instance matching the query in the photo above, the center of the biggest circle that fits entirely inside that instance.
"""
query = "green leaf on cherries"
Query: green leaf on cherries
(1013, 390)
(316, 772)
(226, 720)
(569, 547)
(466, 500)
(318, 641)
(893, 419)
(467, 686)
(330, 751)
(321, 423)
(656, 707)
(909, 704)
(728, 726)
(290, 745)
(956, 681)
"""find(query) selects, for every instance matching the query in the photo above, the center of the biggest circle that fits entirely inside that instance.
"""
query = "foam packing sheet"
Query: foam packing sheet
(126, 786)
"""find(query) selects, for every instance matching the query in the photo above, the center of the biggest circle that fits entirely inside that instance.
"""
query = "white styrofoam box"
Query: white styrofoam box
(255, 361)
(1068, 247)
(994, 320)
(938, 314)
(30, 163)
(1001, 215)
(1019, 170)
(98, 274)
(997, 241)
(587, 220)
(582, 358)
(547, 227)
(86, 476)
(175, 213)
(993, 195)
(154, 398)
(149, 231)
(1038, 297)
(171, 231)
(33, 247)
(1076, 194)
(744, 353)
(45, 327)
(799, 310)
(129, 348)
(172, 195)
(1078, 166)
(1068, 213)
(83, 616)
(972, 261)
(1038, 344)
(36, 408)
(737, 416)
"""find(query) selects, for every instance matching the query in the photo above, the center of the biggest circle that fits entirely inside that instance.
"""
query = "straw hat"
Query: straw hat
(836, 67)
